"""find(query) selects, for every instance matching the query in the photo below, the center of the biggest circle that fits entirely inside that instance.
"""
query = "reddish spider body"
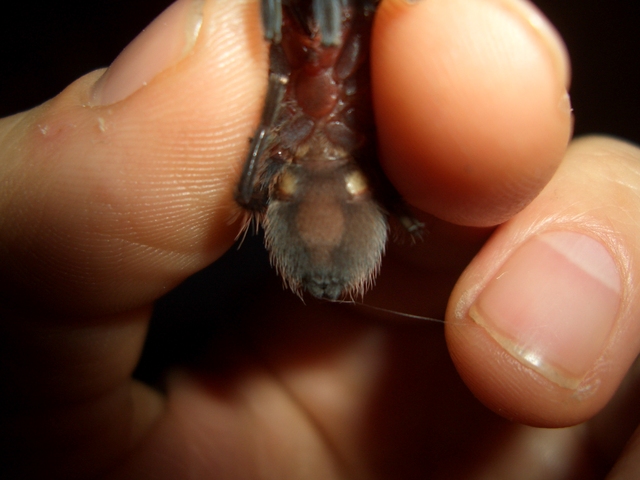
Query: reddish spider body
(312, 177)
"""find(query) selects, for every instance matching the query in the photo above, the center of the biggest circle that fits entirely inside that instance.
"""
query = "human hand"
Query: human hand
(107, 207)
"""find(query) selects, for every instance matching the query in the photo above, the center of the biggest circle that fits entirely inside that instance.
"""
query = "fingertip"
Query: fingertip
(162, 44)
(471, 106)
(117, 203)
(544, 322)
(515, 391)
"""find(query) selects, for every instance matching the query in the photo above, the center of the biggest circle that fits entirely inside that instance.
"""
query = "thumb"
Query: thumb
(120, 187)
(546, 315)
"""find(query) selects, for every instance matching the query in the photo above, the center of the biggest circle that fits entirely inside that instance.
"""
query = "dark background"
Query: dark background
(45, 46)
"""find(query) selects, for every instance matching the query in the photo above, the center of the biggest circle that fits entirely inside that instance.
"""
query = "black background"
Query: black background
(46, 45)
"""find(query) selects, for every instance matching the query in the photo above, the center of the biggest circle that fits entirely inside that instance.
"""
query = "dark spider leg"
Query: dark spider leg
(247, 195)
(328, 15)
(369, 6)
(272, 20)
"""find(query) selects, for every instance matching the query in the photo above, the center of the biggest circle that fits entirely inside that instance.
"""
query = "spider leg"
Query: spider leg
(272, 19)
(328, 15)
(248, 194)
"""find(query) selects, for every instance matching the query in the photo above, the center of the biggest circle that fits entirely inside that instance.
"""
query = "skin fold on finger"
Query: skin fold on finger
(63, 383)
(564, 384)
(110, 206)
(82, 440)
(69, 361)
(471, 105)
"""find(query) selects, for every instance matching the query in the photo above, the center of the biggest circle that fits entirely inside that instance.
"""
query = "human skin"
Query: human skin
(121, 187)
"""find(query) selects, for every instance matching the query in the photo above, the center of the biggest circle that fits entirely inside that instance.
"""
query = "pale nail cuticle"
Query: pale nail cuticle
(527, 356)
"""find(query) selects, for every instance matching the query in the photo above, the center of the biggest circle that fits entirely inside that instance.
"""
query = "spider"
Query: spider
(311, 177)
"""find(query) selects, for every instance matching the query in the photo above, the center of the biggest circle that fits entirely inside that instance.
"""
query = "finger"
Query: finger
(113, 192)
(67, 394)
(120, 187)
(544, 321)
(471, 105)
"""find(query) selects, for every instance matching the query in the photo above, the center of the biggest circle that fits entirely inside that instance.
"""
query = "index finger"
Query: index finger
(471, 105)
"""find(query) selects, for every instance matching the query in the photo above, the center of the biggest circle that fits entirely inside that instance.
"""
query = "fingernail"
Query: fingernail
(162, 44)
(547, 33)
(553, 304)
